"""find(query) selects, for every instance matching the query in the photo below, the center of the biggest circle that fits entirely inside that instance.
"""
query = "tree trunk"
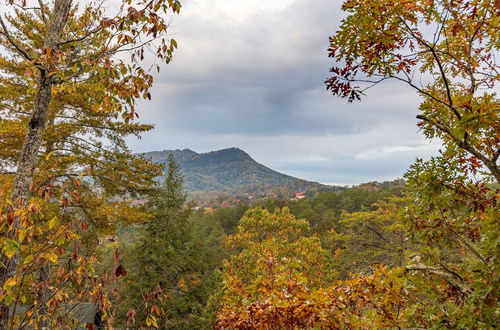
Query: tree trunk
(28, 159)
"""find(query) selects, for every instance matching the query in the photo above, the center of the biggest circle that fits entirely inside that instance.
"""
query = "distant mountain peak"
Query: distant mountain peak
(229, 154)
(229, 171)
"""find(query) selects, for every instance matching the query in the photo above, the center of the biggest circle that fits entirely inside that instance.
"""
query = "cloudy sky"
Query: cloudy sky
(250, 74)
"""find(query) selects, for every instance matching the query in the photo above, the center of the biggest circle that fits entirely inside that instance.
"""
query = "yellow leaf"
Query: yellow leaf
(29, 259)
(21, 235)
(52, 257)
(10, 248)
(153, 321)
(53, 222)
(49, 154)
(10, 283)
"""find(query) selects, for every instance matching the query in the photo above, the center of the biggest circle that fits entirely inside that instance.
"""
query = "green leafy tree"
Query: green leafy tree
(365, 239)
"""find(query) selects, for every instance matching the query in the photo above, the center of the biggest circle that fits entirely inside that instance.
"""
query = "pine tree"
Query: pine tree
(171, 264)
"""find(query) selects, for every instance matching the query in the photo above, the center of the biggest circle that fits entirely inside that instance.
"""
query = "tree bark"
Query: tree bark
(28, 159)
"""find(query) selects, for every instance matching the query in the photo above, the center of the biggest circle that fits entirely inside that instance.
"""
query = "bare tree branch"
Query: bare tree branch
(6, 33)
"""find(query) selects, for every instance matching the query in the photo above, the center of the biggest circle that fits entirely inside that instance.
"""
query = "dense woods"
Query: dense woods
(96, 237)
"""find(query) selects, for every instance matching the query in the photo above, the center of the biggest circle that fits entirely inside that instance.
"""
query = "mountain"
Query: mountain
(230, 171)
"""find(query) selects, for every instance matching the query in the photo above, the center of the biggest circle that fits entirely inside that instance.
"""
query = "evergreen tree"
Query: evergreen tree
(170, 264)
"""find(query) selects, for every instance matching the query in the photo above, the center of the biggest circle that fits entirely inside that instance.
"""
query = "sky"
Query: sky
(250, 74)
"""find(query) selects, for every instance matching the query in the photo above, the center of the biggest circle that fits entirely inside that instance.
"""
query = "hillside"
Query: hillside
(230, 171)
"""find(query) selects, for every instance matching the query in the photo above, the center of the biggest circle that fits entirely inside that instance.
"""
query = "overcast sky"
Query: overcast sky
(250, 74)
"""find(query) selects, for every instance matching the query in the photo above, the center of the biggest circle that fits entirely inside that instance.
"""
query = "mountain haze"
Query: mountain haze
(230, 171)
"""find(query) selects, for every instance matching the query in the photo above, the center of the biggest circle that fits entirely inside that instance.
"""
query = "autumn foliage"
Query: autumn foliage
(445, 51)
(70, 77)
(439, 244)
(88, 238)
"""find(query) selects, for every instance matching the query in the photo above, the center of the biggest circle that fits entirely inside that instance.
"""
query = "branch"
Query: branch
(447, 86)
(441, 69)
(377, 247)
(420, 90)
(470, 247)
(494, 158)
(13, 42)
(42, 11)
(88, 34)
(376, 232)
(451, 278)
(465, 145)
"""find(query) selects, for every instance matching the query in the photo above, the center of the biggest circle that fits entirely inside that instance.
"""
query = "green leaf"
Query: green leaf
(10, 283)
(10, 248)
(29, 259)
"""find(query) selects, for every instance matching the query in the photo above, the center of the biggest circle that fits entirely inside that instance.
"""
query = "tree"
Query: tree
(277, 268)
(62, 82)
(452, 69)
(283, 278)
(366, 239)
(445, 50)
(171, 264)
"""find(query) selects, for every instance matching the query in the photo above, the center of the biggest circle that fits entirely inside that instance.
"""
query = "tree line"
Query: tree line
(89, 239)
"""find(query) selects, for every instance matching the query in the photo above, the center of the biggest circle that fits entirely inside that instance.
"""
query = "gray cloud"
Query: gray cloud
(250, 74)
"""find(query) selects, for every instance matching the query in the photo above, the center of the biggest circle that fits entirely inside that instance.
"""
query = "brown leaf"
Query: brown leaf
(76, 194)
(120, 271)
(65, 202)
(90, 326)
(131, 317)
(10, 218)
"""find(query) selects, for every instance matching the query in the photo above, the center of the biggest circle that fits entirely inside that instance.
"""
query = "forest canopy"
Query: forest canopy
(95, 236)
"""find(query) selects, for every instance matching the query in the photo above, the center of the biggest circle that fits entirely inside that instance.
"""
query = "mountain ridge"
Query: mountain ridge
(230, 171)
